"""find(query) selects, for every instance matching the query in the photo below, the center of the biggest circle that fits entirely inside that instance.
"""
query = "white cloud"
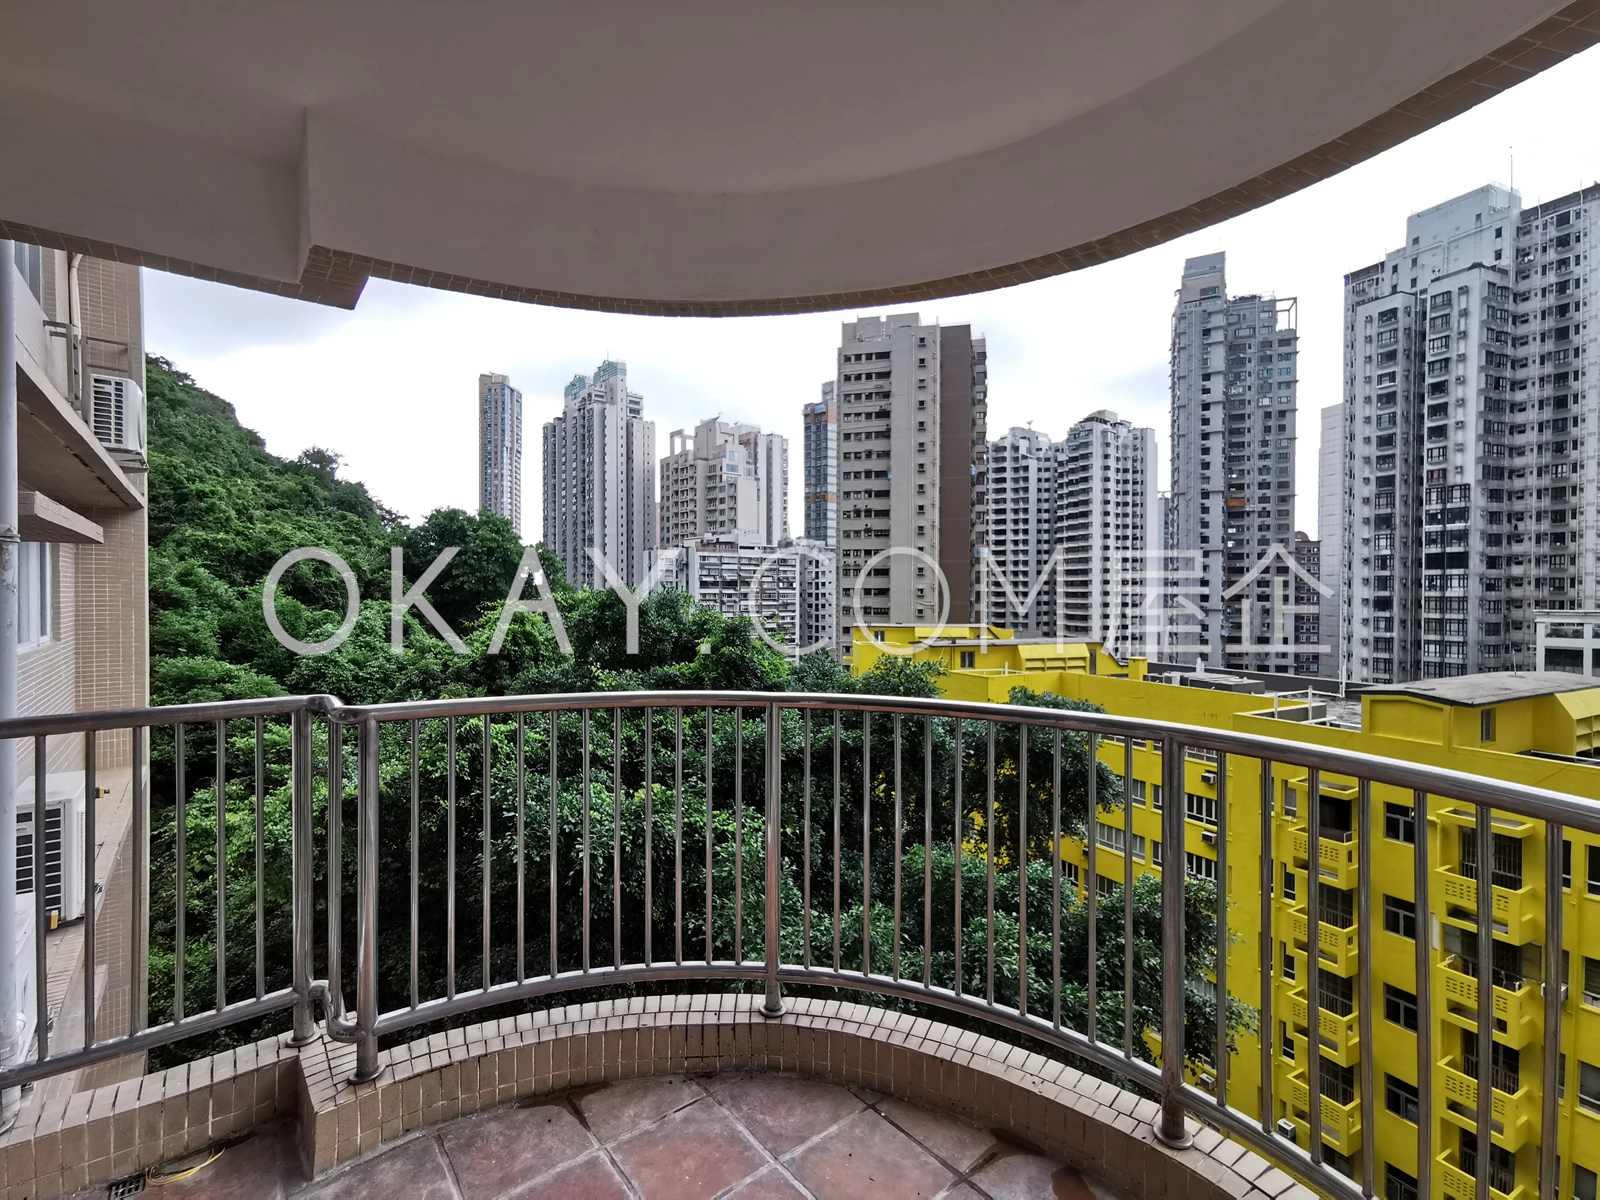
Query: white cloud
(392, 386)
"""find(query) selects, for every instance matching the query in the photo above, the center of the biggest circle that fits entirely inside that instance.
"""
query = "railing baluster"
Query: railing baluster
(1220, 1054)
(522, 797)
(1092, 891)
(616, 838)
(139, 914)
(584, 841)
(927, 850)
(1369, 1166)
(738, 835)
(805, 822)
(261, 821)
(302, 769)
(488, 836)
(866, 843)
(1424, 972)
(220, 788)
(895, 957)
(1169, 1125)
(555, 829)
(416, 856)
(90, 800)
(1127, 896)
(367, 1065)
(837, 755)
(1022, 870)
(960, 822)
(181, 868)
(41, 974)
(988, 823)
(1484, 836)
(335, 771)
(773, 1007)
(450, 862)
(1555, 984)
(1314, 960)
(649, 821)
(1055, 887)
(1267, 948)
(677, 837)
(710, 948)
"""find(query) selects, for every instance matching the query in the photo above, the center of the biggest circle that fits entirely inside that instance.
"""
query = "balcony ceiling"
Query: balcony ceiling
(708, 156)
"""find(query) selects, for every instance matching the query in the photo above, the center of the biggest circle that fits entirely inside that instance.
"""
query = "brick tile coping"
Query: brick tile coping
(91, 1138)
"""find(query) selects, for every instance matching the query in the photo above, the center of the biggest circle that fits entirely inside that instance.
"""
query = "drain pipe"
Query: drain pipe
(10, 552)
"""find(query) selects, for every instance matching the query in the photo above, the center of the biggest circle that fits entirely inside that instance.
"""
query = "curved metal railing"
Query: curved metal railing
(630, 810)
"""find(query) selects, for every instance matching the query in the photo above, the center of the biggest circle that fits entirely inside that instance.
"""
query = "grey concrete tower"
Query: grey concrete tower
(500, 448)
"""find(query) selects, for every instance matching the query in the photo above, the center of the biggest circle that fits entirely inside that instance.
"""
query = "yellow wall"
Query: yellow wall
(1394, 726)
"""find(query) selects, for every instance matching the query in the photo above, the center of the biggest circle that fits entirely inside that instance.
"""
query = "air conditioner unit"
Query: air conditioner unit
(50, 853)
(1286, 1129)
(1206, 1082)
(1208, 777)
(117, 412)
(1208, 836)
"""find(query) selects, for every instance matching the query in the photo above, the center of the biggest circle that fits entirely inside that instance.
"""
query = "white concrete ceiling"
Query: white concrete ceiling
(714, 152)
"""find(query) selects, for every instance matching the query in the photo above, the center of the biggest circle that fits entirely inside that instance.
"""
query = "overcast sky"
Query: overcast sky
(392, 386)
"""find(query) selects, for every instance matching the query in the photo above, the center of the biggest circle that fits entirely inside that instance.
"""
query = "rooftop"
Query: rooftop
(1494, 687)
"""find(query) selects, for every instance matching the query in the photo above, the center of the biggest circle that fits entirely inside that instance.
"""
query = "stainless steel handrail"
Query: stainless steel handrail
(885, 789)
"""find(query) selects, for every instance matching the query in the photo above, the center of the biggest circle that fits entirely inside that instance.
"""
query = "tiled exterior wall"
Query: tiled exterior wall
(1089, 1123)
(46, 677)
(113, 624)
(110, 304)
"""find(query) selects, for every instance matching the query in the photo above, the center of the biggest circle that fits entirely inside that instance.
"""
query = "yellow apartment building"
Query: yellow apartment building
(1540, 729)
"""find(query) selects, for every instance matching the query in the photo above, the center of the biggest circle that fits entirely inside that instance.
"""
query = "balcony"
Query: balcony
(1518, 1014)
(1338, 945)
(1341, 1123)
(1515, 1115)
(1518, 912)
(1341, 1034)
(1458, 1185)
(1337, 855)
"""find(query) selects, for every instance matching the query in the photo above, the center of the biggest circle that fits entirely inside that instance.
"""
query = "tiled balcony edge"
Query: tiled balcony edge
(95, 1137)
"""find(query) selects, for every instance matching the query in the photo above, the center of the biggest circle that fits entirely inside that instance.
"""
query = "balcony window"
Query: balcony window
(1397, 1185)
(1336, 906)
(1336, 994)
(1400, 1098)
(1400, 823)
(1502, 1163)
(1400, 1006)
(1507, 867)
(1338, 1083)
(1400, 917)
(1505, 1064)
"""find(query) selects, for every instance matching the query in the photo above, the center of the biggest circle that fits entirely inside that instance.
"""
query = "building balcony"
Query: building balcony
(1518, 1012)
(1338, 855)
(1515, 1116)
(1341, 1123)
(1338, 946)
(1518, 912)
(1458, 1185)
(1341, 1033)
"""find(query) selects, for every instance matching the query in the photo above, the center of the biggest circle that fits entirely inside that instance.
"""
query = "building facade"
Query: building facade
(500, 449)
(1020, 580)
(820, 422)
(1330, 535)
(600, 478)
(724, 481)
(739, 579)
(1464, 503)
(912, 470)
(1234, 379)
(1308, 602)
(1567, 641)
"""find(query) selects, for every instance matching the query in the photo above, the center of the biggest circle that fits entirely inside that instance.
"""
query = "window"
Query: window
(1583, 1183)
(1290, 802)
(1566, 864)
(1200, 867)
(1155, 852)
(1401, 1007)
(1400, 823)
(1594, 871)
(1069, 872)
(1591, 981)
(1400, 916)
(1108, 836)
(1589, 1087)
(33, 593)
(1400, 1098)
(1486, 725)
(1200, 808)
(1288, 883)
(1397, 1185)
(969, 659)
(1288, 963)
(1285, 1041)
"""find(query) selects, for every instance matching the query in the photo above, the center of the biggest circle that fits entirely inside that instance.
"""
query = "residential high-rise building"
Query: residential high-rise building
(912, 473)
(1107, 530)
(819, 595)
(500, 449)
(1022, 535)
(821, 452)
(1464, 508)
(739, 579)
(599, 478)
(725, 481)
(1307, 552)
(1233, 381)
(1330, 535)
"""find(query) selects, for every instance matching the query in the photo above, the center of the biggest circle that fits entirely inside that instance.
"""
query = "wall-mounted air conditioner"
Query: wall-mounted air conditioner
(1286, 1128)
(1208, 777)
(117, 412)
(50, 853)
(1208, 836)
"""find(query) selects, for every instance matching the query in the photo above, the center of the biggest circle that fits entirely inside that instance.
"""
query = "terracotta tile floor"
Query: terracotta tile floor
(751, 1136)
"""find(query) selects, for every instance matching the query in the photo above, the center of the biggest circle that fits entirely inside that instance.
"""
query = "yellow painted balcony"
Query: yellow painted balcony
(1341, 1123)
(1458, 1185)
(1337, 857)
(1338, 946)
(1519, 1014)
(1515, 1116)
(1518, 912)
(1341, 1037)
